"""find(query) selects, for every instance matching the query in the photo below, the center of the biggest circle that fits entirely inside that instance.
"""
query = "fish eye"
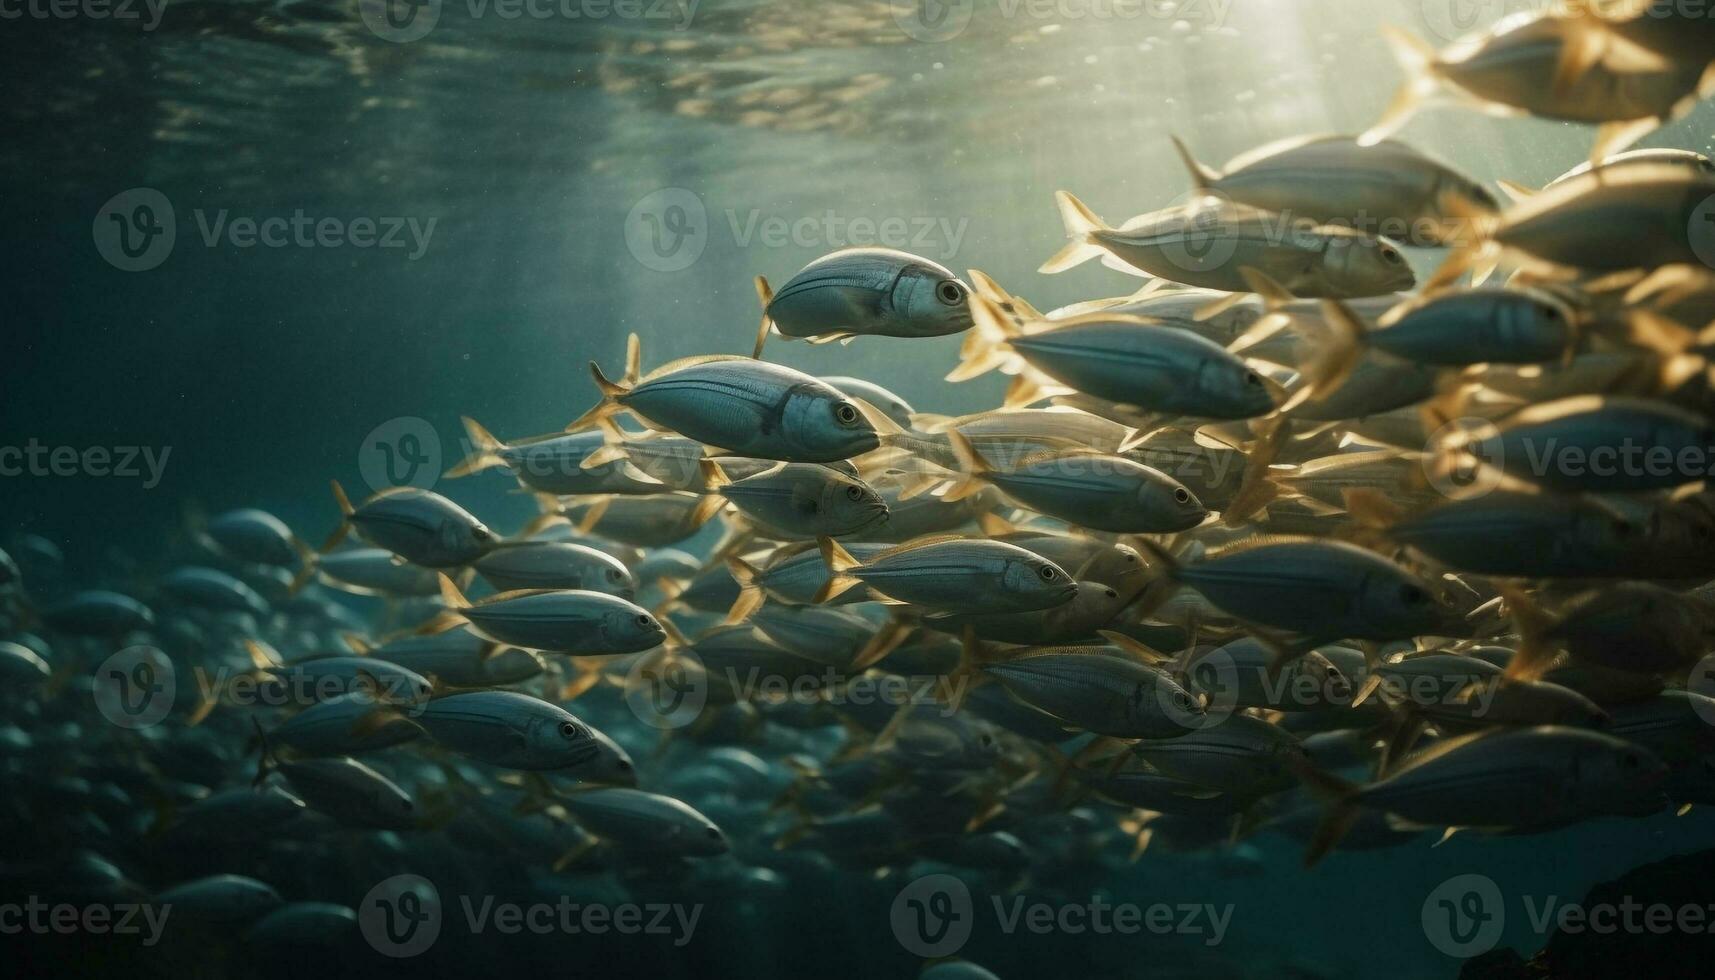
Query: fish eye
(713, 833)
(614, 575)
(624, 765)
(950, 292)
(846, 413)
(1047, 573)
(1253, 379)
(1391, 257)
(1182, 495)
(1413, 595)
(854, 493)
(985, 740)
(568, 730)
(1550, 313)
(1112, 594)
(1131, 558)
(644, 620)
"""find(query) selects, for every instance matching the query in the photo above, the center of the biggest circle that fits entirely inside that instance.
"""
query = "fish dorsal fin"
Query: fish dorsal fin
(508, 596)
(1089, 318)
(914, 544)
(1262, 541)
(690, 362)
(1341, 461)
(1251, 158)
(1070, 451)
(1436, 751)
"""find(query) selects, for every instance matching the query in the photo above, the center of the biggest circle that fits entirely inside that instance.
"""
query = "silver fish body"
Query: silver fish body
(569, 621)
(555, 565)
(876, 292)
(754, 408)
(1101, 692)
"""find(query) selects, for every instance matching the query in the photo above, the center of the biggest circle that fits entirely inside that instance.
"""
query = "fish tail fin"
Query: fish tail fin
(311, 561)
(1517, 192)
(1371, 508)
(885, 641)
(840, 564)
(706, 510)
(765, 296)
(985, 346)
(750, 593)
(1343, 808)
(345, 512)
(1417, 59)
(1081, 227)
(611, 392)
(633, 360)
(972, 467)
(1257, 489)
(1203, 178)
(1535, 652)
(450, 593)
(992, 291)
(612, 447)
(485, 453)
(972, 656)
(1338, 358)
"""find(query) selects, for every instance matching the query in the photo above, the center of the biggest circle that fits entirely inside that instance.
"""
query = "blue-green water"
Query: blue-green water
(575, 179)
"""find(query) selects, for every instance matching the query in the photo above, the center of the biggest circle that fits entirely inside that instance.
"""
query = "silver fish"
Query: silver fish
(952, 575)
(567, 621)
(1214, 243)
(1386, 187)
(556, 565)
(865, 292)
(740, 404)
(513, 731)
(805, 500)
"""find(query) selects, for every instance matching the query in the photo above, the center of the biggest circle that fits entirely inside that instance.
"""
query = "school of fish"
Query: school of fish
(1285, 542)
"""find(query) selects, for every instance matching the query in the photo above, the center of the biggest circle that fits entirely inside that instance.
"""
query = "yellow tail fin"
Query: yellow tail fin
(1081, 225)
